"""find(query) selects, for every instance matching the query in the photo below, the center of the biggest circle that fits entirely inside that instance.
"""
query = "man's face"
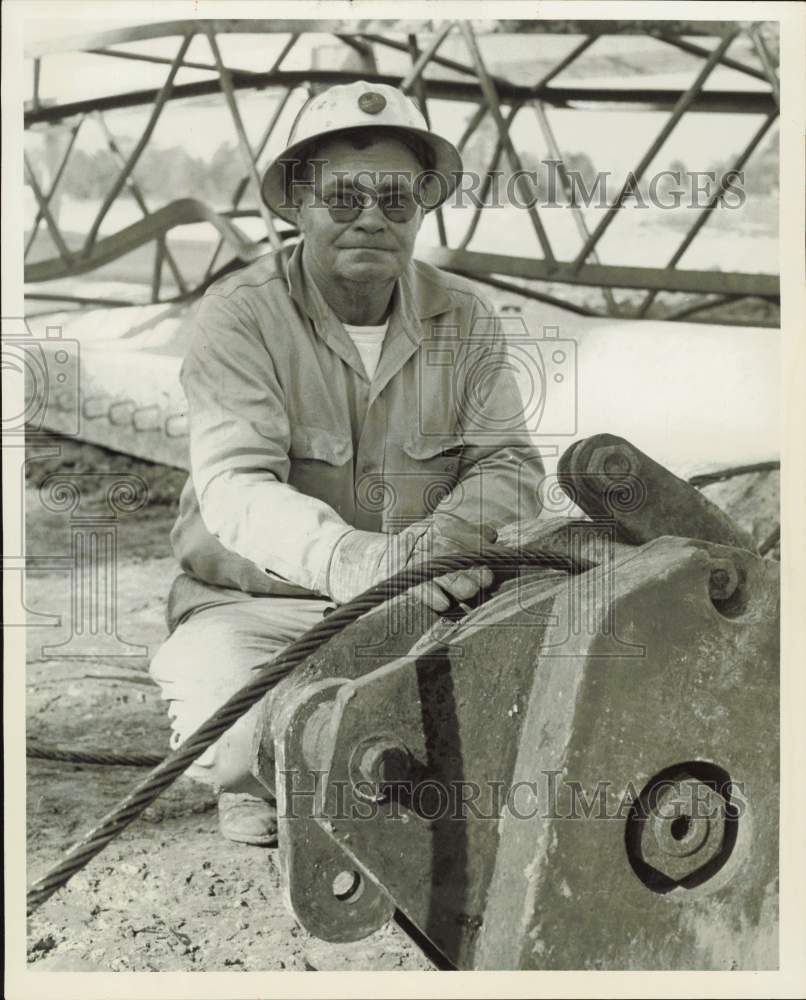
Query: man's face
(372, 247)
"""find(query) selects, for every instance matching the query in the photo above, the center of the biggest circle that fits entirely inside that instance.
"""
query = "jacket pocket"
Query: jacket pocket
(319, 445)
(443, 448)
(429, 470)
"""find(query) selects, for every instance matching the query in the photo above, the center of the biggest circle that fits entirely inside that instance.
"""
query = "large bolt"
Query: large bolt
(723, 579)
(685, 828)
(611, 460)
(379, 763)
(385, 762)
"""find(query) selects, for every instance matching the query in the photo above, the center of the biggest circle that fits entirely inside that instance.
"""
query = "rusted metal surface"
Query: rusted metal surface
(552, 883)
(365, 28)
(578, 97)
(604, 275)
(492, 99)
(314, 864)
(610, 478)
(682, 105)
(467, 81)
(713, 201)
(577, 774)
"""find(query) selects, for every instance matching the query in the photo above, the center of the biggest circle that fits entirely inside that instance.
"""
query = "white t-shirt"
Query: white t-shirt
(369, 342)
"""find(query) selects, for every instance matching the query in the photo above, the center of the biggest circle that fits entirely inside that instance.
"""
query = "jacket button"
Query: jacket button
(366, 467)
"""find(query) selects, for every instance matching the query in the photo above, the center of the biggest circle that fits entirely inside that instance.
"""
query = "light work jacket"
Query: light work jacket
(292, 445)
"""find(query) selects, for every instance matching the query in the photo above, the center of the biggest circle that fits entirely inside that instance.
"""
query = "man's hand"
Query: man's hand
(364, 558)
(451, 535)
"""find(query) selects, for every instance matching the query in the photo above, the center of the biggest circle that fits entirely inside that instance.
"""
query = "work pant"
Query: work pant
(212, 654)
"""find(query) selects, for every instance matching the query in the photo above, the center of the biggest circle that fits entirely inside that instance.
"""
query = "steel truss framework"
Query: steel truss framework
(497, 99)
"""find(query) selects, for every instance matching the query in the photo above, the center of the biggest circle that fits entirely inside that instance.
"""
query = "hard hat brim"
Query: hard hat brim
(446, 162)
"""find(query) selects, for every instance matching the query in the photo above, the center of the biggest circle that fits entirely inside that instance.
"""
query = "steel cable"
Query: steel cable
(176, 762)
(720, 475)
(102, 758)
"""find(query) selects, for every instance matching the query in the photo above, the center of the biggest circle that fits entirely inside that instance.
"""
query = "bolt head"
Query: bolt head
(385, 762)
(723, 579)
(612, 461)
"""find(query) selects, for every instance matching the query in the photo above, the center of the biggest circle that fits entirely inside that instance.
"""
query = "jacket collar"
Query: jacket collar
(418, 295)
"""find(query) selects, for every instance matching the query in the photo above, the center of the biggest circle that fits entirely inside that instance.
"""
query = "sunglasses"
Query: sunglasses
(346, 206)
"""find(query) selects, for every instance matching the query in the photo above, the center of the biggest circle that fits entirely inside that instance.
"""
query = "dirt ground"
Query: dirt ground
(170, 894)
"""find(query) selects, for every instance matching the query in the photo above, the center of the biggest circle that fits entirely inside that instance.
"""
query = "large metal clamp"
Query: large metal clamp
(580, 773)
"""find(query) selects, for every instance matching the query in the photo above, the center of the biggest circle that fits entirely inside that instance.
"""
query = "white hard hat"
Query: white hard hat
(365, 106)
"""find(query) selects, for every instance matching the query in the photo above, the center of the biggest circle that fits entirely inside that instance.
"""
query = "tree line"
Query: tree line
(164, 174)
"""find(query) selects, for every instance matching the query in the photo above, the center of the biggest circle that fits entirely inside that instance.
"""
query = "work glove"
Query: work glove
(364, 558)
(446, 536)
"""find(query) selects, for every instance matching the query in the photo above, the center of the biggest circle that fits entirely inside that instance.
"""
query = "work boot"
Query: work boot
(247, 819)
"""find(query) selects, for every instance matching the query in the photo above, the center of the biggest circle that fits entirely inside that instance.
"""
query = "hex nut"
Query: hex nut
(685, 829)
(613, 461)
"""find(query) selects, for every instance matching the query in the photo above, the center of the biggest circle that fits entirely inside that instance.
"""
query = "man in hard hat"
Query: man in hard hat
(330, 443)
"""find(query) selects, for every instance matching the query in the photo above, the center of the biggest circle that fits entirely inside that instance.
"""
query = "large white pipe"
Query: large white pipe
(693, 396)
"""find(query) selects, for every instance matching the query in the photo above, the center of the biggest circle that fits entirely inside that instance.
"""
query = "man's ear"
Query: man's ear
(298, 201)
(299, 197)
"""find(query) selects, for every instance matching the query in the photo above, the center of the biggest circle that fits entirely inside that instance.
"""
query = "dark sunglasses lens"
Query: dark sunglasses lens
(344, 211)
(398, 208)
